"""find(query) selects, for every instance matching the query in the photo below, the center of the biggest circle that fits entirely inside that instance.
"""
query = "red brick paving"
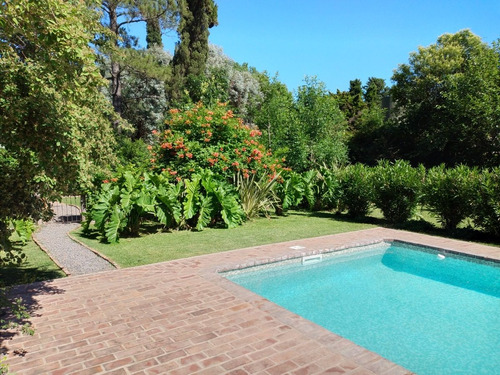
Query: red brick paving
(182, 317)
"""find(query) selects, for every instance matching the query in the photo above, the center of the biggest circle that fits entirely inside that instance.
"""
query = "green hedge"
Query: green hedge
(397, 189)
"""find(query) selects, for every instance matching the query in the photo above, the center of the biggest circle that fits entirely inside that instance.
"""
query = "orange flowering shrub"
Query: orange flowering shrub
(211, 138)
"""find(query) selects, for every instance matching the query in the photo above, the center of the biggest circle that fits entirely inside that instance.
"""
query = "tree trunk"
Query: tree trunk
(116, 87)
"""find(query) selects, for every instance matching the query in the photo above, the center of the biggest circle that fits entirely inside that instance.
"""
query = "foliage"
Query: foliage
(397, 189)
(132, 154)
(144, 99)
(117, 45)
(351, 102)
(374, 91)
(448, 103)
(290, 192)
(277, 118)
(369, 140)
(356, 186)
(211, 138)
(327, 189)
(257, 196)
(314, 189)
(54, 119)
(366, 113)
(486, 204)
(119, 206)
(225, 81)
(322, 126)
(190, 57)
(123, 203)
(18, 205)
(449, 193)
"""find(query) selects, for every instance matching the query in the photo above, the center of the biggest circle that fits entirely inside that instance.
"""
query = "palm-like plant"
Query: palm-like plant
(256, 194)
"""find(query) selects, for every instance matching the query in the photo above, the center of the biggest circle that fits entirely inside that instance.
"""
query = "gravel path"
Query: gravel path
(72, 257)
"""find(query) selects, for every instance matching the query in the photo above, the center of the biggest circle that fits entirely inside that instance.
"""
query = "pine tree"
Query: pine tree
(153, 33)
(158, 15)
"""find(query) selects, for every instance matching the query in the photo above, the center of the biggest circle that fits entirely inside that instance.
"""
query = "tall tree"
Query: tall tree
(277, 119)
(54, 120)
(448, 102)
(323, 125)
(351, 102)
(196, 17)
(374, 91)
(158, 15)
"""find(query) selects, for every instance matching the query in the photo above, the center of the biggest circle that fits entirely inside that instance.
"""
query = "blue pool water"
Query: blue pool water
(428, 314)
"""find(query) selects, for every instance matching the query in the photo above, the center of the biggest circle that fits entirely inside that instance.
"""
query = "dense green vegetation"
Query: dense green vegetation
(196, 140)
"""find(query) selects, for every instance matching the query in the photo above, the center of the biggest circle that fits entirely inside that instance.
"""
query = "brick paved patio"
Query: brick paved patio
(181, 317)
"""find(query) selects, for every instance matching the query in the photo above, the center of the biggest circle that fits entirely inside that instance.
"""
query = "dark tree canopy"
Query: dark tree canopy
(190, 57)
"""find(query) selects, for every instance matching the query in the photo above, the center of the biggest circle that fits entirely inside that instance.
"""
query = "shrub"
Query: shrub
(486, 202)
(119, 206)
(449, 193)
(210, 200)
(202, 138)
(356, 190)
(124, 202)
(397, 189)
(290, 191)
(132, 153)
(327, 189)
(257, 195)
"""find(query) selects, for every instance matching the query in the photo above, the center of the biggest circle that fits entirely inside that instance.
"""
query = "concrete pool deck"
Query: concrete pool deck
(182, 317)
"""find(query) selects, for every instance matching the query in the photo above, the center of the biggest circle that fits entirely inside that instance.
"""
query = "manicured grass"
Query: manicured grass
(37, 267)
(73, 200)
(160, 247)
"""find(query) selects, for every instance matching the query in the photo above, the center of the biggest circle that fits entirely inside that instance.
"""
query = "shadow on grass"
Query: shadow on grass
(414, 225)
(13, 275)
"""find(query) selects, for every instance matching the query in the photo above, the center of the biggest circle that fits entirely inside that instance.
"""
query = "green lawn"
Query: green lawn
(160, 247)
(72, 200)
(37, 267)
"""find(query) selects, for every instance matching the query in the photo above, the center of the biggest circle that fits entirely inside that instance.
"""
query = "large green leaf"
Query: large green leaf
(168, 207)
(205, 213)
(113, 226)
(308, 186)
(193, 196)
(231, 210)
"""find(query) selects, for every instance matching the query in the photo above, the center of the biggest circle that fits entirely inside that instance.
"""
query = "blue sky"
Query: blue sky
(340, 40)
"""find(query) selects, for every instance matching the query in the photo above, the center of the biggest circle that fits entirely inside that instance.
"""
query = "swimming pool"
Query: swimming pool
(430, 312)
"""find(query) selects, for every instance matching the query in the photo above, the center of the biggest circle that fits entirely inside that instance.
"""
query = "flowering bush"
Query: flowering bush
(211, 138)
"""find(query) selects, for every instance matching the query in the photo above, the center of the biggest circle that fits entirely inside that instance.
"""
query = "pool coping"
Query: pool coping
(183, 317)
